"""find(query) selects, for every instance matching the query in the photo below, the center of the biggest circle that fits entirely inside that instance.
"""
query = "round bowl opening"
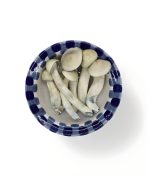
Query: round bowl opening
(39, 102)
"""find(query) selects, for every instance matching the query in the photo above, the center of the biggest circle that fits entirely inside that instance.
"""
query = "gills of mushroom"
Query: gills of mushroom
(68, 107)
(52, 69)
(89, 56)
(55, 98)
(72, 77)
(71, 59)
(97, 70)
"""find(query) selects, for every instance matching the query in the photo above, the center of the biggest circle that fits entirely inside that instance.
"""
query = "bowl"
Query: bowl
(39, 101)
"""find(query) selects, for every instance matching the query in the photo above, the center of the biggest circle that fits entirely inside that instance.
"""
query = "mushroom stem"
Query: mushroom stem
(68, 107)
(66, 82)
(94, 91)
(55, 98)
(69, 95)
(73, 88)
(83, 84)
(89, 56)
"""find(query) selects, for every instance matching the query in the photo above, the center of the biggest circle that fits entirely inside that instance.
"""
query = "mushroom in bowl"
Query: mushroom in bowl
(73, 88)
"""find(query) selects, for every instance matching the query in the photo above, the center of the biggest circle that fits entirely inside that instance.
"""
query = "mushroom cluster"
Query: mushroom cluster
(68, 81)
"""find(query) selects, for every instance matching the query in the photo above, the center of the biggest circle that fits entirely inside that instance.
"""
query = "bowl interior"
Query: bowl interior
(44, 99)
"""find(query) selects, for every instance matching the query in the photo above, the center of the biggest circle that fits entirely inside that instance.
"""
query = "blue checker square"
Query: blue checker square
(43, 55)
(115, 74)
(88, 122)
(97, 126)
(99, 51)
(117, 88)
(85, 45)
(109, 59)
(70, 44)
(108, 115)
(43, 118)
(71, 127)
(67, 131)
(118, 73)
(54, 128)
(29, 81)
(41, 121)
(34, 109)
(56, 47)
(83, 130)
(115, 102)
(33, 66)
(75, 125)
(43, 64)
(29, 95)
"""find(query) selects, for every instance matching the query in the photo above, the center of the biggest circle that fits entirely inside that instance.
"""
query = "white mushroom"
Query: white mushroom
(97, 70)
(55, 98)
(52, 69)
(94, 90)
(89, 56)
(70, 75)
(68, 107)
(71, 59)
(73, 82)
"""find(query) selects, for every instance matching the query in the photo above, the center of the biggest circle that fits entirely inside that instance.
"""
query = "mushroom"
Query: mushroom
(72, 77)
(71, 59)
(55, 98)
(52, 69)
(97, 70)
(68, 107)
(89, 56)
(94, 90)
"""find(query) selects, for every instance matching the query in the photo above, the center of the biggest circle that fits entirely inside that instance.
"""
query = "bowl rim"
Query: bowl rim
(49, 122)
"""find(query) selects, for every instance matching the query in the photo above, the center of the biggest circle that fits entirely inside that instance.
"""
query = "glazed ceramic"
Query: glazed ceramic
(39, 102)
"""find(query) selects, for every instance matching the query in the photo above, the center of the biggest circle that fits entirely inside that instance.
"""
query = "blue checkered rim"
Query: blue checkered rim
(74, 129)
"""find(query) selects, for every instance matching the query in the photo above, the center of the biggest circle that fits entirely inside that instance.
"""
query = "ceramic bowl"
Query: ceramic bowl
(39, 102)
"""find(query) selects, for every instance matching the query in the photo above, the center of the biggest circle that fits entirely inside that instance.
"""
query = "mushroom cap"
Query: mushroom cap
(99, 68)
(50, 65)
(71, 76)
(46, 76)
(71, 59)
(89, 56)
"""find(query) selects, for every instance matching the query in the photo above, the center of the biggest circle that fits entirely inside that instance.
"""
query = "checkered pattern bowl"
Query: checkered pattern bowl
(39, 103)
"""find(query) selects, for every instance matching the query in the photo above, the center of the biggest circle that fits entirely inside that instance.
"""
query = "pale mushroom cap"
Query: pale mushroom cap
(89, 56)
(50, 65)
(99, 68)
(46, 76)
(71, 59)
(71, 76)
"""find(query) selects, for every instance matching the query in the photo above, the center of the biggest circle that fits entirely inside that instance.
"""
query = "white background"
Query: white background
(29, 26)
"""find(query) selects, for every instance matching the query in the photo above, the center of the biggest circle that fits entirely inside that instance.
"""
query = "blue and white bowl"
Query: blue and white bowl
(39, 103)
